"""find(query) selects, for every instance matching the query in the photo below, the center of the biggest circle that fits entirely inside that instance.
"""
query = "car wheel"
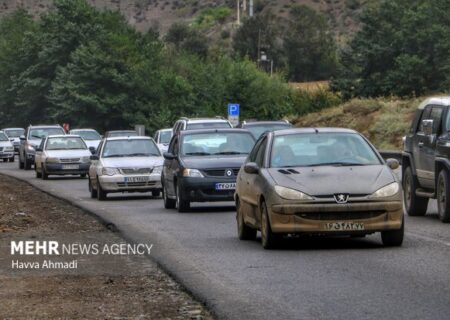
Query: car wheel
(443, 196)
(91, 189)
(38, 174)
(393, 238)
(182, 205)
(11, 159)
(27, 164)
(21, 165)
(101, 194)
(414, 205)
(44, 174)
(244, 232)
(156, 193)
(83, 175)
(168, 203)
(5, 160)
(269, 240)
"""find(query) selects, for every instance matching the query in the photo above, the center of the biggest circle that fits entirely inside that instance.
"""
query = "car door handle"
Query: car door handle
(420, 144)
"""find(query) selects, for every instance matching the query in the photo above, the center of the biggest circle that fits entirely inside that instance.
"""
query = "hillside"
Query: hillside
(161, 14)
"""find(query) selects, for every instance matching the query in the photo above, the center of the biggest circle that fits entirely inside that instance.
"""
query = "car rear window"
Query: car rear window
(207, 125)
(220, 143)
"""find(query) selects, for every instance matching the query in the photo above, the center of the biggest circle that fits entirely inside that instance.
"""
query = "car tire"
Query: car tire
(26, 164)
(182, 204)
(244, 231)
(91, 189)
(83, 175)
(11, 159)
(44, 174)
(5, 160)
(38, 174)
(168, 203)
(414, 205)
(21, 165)
(393, 238)
(269, 240)
(101, 194)
(443, 196)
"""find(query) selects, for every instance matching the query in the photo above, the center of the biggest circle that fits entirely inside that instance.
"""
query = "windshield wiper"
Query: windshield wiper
(336, 164)
(198, 154)
(141, 154)
(229, 152)
(38, 137)
(116, 156)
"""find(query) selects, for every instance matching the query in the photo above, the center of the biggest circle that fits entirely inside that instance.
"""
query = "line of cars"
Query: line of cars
(283, 180)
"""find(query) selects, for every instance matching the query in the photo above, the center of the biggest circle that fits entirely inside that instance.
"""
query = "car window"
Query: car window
(425, 116)
(99, 149)
(3, 137)
(207, 125)
(173, 147)
(218, 143)
(258, 130)
(14, 133)
(41, 146)
(436, 116)
(261, 152)
(165, 136)
(130, 148)
(40, 133)
(316, 149)
(254, 152)
(65, 143)
(87, 135)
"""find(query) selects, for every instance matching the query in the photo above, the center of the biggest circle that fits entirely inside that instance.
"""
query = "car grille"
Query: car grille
(69, 160)
(136, 170)
(340, 215)
(1, 148)
(136, 184)
(219, 172)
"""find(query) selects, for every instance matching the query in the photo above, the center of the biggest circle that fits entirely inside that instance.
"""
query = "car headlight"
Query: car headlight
(110, 171)
(157, 170)
(30, 147)
(52, 160)
(291, 194)
(85, 159)
(386, 191)
(193, 173)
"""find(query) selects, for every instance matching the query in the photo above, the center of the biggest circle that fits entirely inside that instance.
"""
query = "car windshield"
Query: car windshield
(44, 132)
(65, 143)
(320, 149)
(165, 136)
(15, 133)
(113, 134)
(130, 148)
(258, 130)
(87, 134)
(221, 143)
(207, 125)
(3, 137)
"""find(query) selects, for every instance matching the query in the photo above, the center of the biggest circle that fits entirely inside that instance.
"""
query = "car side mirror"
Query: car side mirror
(94, 157)
(427, 127)
(251, 168)
(169, 156)
(22, 138)
(92, 150)
(38, 149)
(392, 163)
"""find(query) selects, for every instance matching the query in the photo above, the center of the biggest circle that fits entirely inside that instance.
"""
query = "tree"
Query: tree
(309, 46)
(188, 39)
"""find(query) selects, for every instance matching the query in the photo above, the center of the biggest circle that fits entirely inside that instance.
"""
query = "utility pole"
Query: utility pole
(238, 6)
(250, 11)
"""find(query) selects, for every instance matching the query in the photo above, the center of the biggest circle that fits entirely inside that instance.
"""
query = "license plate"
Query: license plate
(136, 179)
(344, 226)
(226, 186)
(70, 167)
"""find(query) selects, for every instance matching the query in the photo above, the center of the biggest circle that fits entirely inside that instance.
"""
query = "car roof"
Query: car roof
(218, 130)
(125, 130)
(166, 129)
(256, 123)
(73, 130)
(63, 136)
(312, 130)
(202, 120)
(128, 138)
(12, 129)
(440, 101)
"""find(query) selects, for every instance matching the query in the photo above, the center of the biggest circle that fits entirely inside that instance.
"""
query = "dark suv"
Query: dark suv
(32, 139)
(202, 165)
(426, 159)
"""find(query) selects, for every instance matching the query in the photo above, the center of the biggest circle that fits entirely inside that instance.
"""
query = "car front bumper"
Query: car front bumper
(6, 154)
(204, 189)
(60, 169)
(345, 218)
(118, 183)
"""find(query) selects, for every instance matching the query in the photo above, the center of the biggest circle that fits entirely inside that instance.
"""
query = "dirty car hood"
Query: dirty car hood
(328, 180)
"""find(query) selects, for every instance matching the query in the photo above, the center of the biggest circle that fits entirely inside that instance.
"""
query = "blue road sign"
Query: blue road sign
(233, 109)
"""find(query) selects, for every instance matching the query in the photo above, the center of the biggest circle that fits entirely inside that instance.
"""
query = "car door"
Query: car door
(39, 157)
(418, 142)
(170, 166)
(94, 164)
(429, 147)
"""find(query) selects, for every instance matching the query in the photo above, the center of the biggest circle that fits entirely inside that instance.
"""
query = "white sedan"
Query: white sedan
(90, 136)
(62, 155)
(6, 148)
(125, 164)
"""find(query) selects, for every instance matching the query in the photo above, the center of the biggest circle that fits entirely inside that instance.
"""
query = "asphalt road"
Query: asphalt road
(309, 278)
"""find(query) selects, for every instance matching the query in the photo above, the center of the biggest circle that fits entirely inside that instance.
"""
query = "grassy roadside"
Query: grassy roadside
(105, 287)
(383, 120)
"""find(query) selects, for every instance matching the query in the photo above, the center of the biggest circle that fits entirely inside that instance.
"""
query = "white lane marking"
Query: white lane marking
(427, 238)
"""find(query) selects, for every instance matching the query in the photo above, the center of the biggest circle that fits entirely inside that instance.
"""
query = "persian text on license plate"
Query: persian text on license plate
(70, 167)
(136, 179)
(226, 186)
(344, 226)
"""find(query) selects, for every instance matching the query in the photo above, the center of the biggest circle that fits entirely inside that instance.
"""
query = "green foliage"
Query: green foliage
(187, 39)
(208, 17)
(402, 49)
